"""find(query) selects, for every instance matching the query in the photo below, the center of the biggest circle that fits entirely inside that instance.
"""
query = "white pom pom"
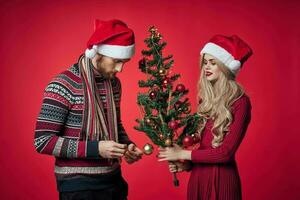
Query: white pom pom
(90, 53)
(235, 66)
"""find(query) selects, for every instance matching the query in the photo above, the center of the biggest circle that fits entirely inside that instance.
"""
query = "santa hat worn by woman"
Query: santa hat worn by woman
(232, 51)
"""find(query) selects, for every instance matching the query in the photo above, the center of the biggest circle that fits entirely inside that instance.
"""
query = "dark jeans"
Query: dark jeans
(117, 192)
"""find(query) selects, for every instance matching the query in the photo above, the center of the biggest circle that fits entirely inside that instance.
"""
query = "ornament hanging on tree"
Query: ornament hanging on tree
(154, 112)
(166, 81)
(188, 141)
(173, 125)
(180, 88)
(168, 142)
(152, 95)
(148, 149)
(162, 72)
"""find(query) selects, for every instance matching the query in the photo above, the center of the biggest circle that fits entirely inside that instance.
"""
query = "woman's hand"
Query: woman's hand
(177, 166)
(173, 154)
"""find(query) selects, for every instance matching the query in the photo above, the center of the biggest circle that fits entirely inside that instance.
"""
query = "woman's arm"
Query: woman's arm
(224, 153)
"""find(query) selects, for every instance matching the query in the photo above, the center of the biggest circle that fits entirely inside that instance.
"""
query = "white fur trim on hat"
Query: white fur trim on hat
(116, 51)
(223, 55)
(90, 53)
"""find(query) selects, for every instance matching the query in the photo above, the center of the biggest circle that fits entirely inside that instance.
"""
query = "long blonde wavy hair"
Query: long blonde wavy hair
(216, 100)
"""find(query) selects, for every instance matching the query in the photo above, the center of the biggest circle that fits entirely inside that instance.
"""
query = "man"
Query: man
(80, 123)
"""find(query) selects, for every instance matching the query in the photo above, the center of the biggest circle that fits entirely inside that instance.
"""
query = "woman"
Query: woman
(225, 113)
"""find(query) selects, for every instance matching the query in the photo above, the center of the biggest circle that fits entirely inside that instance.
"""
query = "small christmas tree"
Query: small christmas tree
(165, 111)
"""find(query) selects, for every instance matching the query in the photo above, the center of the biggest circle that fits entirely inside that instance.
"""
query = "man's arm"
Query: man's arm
(133, 153)
(51, 122)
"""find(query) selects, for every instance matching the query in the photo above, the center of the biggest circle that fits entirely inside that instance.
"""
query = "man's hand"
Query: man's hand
(111, 149)
(133, 154)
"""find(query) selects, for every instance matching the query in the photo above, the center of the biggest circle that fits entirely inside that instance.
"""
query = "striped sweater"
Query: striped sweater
(59, 124)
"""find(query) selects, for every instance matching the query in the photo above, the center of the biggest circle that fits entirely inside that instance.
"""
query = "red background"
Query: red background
(41, 38)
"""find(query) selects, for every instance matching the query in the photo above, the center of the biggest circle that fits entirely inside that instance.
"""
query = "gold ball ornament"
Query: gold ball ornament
(168, 142)
(148, 149)
(162, 72)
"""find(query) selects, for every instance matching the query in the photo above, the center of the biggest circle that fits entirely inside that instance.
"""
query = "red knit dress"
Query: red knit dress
(214, 175)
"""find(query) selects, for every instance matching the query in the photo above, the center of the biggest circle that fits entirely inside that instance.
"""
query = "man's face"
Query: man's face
(108, 66)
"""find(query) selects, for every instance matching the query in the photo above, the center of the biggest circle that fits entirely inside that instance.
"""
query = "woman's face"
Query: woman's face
(210, 68)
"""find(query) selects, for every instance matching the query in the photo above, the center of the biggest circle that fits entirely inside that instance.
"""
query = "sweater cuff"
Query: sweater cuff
(194, 156)
(92, 149)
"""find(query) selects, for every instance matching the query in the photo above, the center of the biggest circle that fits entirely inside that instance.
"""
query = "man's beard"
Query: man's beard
(108, 75)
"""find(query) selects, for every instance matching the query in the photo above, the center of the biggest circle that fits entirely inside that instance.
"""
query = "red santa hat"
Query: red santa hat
(232, 51)
(111, 38)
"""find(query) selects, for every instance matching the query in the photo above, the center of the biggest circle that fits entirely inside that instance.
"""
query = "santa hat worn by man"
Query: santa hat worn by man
(113, 39)
(232, 51)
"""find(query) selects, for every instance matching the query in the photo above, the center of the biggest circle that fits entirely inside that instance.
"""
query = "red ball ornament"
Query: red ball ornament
(166, 82)
(154, 112)
(180, 88)
(173, 125)
(188, 141)
(152, 95)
